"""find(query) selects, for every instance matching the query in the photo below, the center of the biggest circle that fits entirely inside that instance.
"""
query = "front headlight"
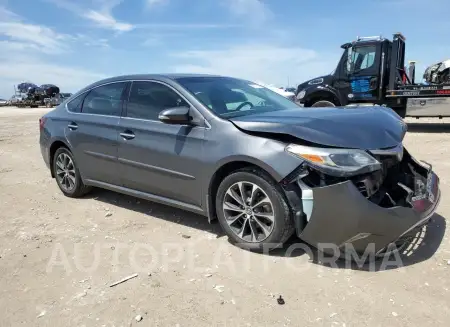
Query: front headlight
(336, 162)
(301, 94)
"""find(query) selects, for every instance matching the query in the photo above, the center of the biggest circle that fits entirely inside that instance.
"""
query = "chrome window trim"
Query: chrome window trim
(208, 125)
(89, 90)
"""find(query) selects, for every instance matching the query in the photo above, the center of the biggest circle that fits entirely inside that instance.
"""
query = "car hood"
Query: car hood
(359, 128)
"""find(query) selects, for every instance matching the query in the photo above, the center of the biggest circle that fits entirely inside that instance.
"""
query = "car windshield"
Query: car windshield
(231, 97)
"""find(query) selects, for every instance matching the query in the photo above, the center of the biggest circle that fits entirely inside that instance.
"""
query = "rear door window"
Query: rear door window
(105, 100)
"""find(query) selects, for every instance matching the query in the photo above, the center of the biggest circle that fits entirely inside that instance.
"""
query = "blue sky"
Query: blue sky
(71, 43)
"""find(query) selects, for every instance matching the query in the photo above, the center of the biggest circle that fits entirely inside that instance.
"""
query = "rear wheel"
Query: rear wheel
(252, 210)
(67, 174)
(323, 103)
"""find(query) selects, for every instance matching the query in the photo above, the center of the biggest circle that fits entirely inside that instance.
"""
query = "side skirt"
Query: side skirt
(146, 196)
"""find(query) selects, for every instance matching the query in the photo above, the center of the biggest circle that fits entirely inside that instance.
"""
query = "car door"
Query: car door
(362, 70)
(157, 158)
(92, 131)
(357, 77)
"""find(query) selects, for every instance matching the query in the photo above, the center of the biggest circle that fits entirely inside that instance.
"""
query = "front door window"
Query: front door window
(360, 58)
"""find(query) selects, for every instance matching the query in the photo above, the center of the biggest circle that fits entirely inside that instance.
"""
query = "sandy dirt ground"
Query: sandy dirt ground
(58, 257)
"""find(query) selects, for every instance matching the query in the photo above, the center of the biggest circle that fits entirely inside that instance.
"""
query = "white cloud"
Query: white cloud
(69, 79)
(255, 11)
(182, 26)
(27, 53)
(258, 62)
(20, 62)
(152, 41)
(106, 20)
(89, 41)
(152, 3)
(34, 36)
(5, 14)
(101, 15)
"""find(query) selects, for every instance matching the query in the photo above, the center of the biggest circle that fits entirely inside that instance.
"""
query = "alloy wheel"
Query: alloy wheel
(248, 212)
(65, 172)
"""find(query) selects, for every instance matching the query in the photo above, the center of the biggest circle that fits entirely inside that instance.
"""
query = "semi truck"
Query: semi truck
(372, 71)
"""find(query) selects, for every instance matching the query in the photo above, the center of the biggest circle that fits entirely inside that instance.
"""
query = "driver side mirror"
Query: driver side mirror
(175, 116)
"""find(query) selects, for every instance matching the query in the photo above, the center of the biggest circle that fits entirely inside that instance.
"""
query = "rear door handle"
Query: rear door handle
(127, 135)
(72, 126)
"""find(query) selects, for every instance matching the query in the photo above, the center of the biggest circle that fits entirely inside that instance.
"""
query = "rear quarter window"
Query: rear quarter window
(75, 104)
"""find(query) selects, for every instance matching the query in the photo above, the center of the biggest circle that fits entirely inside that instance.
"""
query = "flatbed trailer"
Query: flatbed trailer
(371, 71)
(421, 91)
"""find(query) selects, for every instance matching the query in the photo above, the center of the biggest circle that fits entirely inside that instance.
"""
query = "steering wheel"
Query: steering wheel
(242, 105)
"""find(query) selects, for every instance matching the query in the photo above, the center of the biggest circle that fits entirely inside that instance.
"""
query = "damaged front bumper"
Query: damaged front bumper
(345, 216)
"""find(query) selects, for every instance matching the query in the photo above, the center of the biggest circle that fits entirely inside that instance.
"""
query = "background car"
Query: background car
(438, 73)
(286, 93)
(15, 99)
(56, 99)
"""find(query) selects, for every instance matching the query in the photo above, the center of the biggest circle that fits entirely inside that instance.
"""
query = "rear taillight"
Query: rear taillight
(42, 122)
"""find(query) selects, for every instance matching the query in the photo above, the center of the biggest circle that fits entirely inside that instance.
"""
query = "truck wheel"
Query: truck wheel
(323, 103)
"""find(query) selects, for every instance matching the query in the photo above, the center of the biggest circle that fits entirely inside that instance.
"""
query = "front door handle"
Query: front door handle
(72, 126)
(373, 83)
(127, 135)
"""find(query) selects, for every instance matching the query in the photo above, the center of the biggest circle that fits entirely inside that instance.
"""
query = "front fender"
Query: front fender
(318, 91)
(275, 169)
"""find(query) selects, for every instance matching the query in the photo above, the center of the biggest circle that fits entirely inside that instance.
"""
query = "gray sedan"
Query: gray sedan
(234, 150)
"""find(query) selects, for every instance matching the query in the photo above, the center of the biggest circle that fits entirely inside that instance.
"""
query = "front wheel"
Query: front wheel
(323, 103)
(252, 210)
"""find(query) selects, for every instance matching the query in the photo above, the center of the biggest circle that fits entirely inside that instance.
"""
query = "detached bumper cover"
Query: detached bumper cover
(342, 216)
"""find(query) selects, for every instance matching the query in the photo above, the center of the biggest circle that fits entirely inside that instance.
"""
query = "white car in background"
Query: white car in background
(3, 102)
(281, 91)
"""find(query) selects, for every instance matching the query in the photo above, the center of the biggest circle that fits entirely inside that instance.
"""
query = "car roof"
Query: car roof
(173, 76)
(158, 77)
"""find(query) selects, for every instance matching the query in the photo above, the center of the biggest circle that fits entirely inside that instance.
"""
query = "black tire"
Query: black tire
(79, 188)
(323, 103)
(283, 226)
